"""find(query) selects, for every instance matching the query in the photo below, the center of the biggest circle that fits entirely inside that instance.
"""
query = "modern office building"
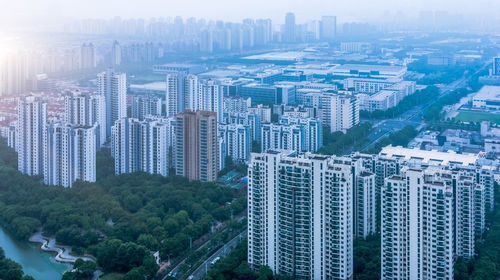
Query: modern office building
(271, 94)
(300, 215)
(173, 68)
(369, 85)
(113, 86)
(196, 155)
(86, 109)
(369, 71)
(487, 99)
(145, 105)
(69, 153)
(237, 141)
(386, 98)
(32, 117)
(142, 145)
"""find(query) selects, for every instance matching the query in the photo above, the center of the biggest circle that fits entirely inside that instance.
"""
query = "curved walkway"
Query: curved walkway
(63, 253)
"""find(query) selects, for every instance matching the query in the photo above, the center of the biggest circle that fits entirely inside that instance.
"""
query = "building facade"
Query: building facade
(145, 105)
(113, 86)
(300, 215)
(236, 138)
(196, 155)
(70, 154)
(142, 145)
(32, 117)
(86, 109)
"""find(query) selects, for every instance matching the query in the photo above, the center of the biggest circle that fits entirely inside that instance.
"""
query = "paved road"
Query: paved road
(414, 116)
(202, 270)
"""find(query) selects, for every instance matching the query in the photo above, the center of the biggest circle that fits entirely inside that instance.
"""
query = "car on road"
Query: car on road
(215, 260)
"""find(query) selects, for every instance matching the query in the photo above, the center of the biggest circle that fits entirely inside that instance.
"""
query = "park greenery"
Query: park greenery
(82, 270)
(399, 138)
(119, 219)
(10, 270)
(339, 143)
(436, 74)
(418, 98)
(435, 111)
(366, 258)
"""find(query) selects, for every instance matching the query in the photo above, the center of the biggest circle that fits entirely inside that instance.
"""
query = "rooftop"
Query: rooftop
(430, 157)
(370, 67)
(488, 92)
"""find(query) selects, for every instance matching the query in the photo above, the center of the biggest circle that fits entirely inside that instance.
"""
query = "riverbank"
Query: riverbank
(63, 253)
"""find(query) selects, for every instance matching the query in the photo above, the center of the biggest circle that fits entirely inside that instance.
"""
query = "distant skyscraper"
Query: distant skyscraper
(328, 28)
(113, 86)
(146, 105)
(13, 74)
(290, 28)
(69, 154)
(263, 32)
(300, 215)
(116, 54)
(196, 155)
(86, 109)
(87, 56)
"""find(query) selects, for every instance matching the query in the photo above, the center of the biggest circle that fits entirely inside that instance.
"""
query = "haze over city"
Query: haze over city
(25, 12)
(249, 140)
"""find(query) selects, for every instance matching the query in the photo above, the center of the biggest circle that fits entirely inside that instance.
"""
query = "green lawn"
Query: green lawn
(112, 276)
(478, 117)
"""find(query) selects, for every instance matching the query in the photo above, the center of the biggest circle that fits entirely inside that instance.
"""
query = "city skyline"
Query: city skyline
(55, 12)
(251, 140)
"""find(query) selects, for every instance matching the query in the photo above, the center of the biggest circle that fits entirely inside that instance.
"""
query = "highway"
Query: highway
(414, 116)
(202, 270)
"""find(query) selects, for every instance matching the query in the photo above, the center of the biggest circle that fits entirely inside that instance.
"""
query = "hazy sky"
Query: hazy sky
(26, 11)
